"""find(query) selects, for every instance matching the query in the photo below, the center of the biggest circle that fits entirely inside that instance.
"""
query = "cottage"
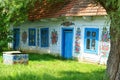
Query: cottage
(72, 29)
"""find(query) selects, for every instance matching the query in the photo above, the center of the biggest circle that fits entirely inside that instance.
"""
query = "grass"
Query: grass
(47, 67)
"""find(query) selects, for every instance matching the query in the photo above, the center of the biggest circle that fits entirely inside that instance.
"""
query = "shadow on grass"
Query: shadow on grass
(41, 57)
(65, 75)
(46, 57)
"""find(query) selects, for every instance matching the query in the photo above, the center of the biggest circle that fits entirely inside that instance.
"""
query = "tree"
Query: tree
(12, 12)
(113, 64)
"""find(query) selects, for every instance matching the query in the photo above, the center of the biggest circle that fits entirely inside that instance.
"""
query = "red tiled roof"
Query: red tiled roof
(68, 8)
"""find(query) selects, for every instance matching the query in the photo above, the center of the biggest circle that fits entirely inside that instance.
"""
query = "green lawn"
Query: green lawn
(47, 67)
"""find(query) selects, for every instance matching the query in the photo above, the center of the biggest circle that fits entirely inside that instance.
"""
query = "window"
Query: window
(32, 36)
(44, 37)
(91, 40)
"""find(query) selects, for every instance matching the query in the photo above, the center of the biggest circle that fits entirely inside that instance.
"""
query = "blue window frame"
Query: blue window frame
(32, 36)
(38, 37)
(44, 37)
(91, 40)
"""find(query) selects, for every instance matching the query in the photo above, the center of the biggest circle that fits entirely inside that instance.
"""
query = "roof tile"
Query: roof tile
(68, 8)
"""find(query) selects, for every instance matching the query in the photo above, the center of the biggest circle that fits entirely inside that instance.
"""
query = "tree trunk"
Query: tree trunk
(113, 63)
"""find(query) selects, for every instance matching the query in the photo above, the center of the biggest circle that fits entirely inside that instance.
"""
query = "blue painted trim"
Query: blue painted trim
(32, 44)
(38, 37)
(47, 37)
(96, 39)
(62, 40)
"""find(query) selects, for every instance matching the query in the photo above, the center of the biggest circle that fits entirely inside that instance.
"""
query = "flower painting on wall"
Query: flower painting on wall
(24, 37)
(54, 37)
(77, 40)
(105, 42)
(105, 35)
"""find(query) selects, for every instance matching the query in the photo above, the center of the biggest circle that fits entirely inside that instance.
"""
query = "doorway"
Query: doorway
(67, 43)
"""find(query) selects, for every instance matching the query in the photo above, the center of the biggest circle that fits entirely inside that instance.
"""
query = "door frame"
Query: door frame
(62, 40)
(14, 46)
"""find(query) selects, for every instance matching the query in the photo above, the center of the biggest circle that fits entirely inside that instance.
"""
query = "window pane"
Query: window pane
(88, 33)
(32, 37)
(44, 37)
(88, 44)
(93, 34)
(93, 44)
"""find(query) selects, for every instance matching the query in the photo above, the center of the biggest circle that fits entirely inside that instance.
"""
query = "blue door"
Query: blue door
(91, 40)
(67, 43)
(16, 37)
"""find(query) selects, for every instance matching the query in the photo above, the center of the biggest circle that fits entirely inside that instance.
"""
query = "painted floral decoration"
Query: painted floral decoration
(54, 37)
(105, 42)
(24, 37)
(105, 35)
(67, 23)
(77, 40)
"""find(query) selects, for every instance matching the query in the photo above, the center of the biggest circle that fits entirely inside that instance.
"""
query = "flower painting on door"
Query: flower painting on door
(54, 37)
(77, 40)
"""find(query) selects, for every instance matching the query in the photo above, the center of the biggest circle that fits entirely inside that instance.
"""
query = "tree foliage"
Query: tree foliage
(113, 9)
(12, 12)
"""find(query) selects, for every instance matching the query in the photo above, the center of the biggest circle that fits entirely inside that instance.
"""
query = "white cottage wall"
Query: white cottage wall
(97, 22)
(79, 22)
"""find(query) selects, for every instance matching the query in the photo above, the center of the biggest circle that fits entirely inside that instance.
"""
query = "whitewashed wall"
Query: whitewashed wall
(79, 22)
